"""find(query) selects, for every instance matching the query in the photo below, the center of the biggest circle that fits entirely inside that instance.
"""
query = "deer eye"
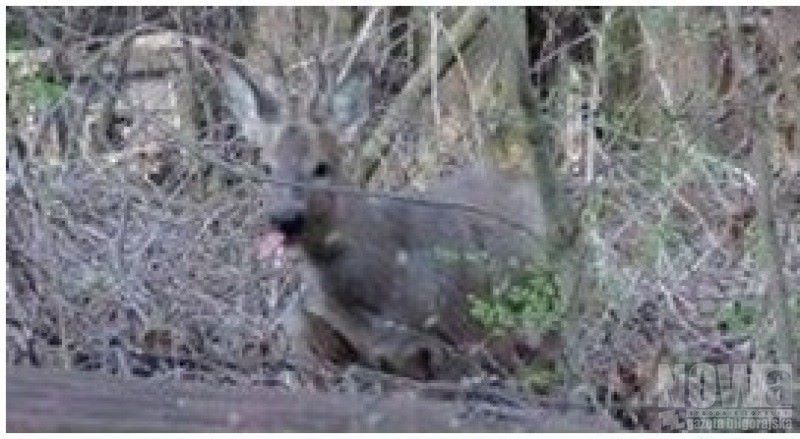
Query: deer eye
(322, 169)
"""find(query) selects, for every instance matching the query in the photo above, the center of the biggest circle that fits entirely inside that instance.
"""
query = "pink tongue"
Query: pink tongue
(270, 245)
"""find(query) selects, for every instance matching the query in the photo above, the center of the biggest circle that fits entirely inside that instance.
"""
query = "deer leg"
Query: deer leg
(387, 346)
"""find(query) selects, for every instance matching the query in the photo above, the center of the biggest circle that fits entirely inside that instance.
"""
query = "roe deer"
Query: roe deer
(391, 279)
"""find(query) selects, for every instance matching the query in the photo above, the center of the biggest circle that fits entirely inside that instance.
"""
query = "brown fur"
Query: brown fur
(389, 280)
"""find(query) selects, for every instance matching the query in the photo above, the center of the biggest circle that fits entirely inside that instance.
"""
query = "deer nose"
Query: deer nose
(290, 223)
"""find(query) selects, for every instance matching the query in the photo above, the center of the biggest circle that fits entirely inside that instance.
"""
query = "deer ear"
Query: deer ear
(349, 104)
(252, 107)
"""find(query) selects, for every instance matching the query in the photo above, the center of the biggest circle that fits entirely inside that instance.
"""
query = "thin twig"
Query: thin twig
(434, 53)
(362, 37)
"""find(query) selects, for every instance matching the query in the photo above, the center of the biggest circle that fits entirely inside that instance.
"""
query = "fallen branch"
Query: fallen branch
(49, 400)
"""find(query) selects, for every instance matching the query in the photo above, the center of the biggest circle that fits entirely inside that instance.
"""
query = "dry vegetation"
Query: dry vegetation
(132, 213)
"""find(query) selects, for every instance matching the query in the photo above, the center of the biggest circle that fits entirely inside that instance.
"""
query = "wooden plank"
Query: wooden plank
(48, 401)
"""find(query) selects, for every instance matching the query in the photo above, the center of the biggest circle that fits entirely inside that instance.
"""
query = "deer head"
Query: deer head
(300, 139)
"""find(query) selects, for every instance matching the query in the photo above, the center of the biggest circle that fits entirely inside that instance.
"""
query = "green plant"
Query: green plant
(659, 240)
(738, 318)
(541, 376)
(528, 299)
(16, 36)
(39, 90)
(29, 87)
